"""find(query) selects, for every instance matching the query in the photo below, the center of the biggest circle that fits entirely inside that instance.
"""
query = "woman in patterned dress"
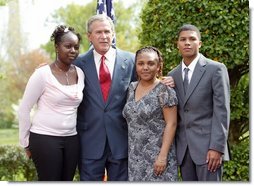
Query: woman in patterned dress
(151, 116)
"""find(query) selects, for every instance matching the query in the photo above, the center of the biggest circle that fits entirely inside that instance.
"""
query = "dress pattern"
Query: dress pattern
(145, 131)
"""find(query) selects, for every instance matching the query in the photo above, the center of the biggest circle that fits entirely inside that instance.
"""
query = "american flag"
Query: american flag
(106, 7)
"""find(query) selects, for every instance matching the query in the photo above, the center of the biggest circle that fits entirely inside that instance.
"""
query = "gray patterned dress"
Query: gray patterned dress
(145, 130)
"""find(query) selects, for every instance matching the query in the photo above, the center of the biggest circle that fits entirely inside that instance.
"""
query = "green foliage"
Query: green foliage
(220, 22)
(6, 119)
(239, 128)
(3, 2)
(14, 165)
(238, 168)
(75, 16)
(224, 27)
(127, 27)
(9, 137)
(241, 95)
(14, 81)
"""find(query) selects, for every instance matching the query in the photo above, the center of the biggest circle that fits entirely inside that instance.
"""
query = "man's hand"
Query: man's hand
(214, 160)
(168, 80)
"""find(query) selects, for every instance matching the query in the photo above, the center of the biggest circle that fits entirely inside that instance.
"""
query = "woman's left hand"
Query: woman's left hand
(28, 153)
(159, 166)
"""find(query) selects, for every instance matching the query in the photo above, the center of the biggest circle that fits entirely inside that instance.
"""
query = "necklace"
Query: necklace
(65, 72)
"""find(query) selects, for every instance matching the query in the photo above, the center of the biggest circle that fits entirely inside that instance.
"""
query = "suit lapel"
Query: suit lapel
(119, 68)
(196, 77)
(179, 82)
(91, 75)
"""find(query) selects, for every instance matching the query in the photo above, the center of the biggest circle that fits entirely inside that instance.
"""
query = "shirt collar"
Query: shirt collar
(110, 55)
(192, 64)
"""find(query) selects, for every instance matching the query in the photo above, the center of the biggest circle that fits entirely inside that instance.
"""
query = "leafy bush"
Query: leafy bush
(15, 166)
(238, 168)
(9, 136)
(224, 27)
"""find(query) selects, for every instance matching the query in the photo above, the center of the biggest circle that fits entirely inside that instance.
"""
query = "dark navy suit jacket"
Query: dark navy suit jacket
(97, 120)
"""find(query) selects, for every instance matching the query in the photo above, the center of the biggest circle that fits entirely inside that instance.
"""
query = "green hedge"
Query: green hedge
(238, 168)
(14, 165)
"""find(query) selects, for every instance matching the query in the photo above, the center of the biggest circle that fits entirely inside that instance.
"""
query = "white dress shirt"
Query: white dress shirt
(109, 61)
(191, 67)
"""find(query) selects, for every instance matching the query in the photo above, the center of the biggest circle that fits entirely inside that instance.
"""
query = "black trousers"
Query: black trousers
(55, 157)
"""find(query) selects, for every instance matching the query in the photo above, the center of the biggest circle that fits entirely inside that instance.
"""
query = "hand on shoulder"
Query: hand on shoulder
(168, 80)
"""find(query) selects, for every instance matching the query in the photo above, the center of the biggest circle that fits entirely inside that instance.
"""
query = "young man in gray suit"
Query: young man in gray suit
(203, 91)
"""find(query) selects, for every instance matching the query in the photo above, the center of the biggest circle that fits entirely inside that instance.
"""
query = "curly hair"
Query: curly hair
(60, 31)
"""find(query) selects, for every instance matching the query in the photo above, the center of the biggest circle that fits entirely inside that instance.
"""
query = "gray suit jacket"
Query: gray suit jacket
(204, 112)
(98, 121)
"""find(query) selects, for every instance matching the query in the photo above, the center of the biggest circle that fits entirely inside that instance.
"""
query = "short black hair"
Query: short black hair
(187, 27)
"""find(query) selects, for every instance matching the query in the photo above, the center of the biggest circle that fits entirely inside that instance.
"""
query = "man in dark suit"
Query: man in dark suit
(203, 92)
(100, 124)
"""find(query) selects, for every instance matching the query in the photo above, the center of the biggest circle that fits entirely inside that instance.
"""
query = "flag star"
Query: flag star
(112, 12)
(100, 2)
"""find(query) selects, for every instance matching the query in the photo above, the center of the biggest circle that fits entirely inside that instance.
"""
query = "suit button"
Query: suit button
(186, 110)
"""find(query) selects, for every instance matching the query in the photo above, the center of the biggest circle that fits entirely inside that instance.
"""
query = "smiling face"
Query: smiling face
(147, 65)
(68, 48)
(188, 44)
(101, 36)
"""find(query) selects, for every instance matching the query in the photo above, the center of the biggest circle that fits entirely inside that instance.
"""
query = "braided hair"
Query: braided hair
(154, 50)
(60, 31)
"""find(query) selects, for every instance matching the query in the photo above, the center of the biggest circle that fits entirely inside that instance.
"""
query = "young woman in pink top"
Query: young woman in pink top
(50, 137)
